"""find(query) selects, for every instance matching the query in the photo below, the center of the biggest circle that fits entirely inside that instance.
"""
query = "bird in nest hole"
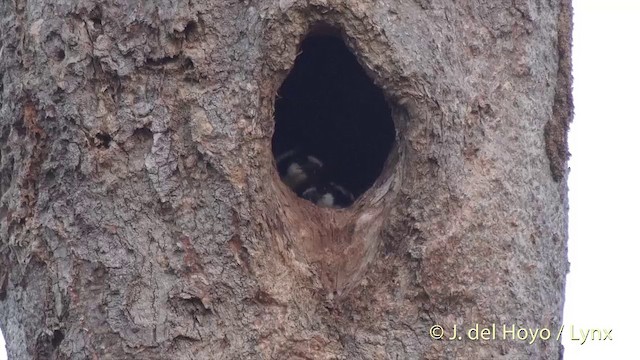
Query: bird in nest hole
(308, 177)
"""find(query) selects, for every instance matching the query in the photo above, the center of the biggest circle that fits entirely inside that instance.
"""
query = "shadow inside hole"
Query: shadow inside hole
(328, 107)
(58, 336)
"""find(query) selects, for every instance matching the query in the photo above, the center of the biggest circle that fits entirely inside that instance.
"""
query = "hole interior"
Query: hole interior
(58, 336)
(329, 108)
(103, 140)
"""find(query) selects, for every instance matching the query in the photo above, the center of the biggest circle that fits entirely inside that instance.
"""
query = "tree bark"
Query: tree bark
(141, 214)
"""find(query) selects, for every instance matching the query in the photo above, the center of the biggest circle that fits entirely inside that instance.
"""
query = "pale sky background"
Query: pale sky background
(604, 183)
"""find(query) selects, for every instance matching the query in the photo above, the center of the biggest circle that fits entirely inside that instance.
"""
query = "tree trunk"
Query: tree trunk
(142, 216)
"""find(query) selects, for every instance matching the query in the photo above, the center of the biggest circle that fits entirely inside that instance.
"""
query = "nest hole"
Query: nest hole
(328, 109)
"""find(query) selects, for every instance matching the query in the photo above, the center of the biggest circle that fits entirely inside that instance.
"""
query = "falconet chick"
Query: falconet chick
(329, 195)
(298, 170)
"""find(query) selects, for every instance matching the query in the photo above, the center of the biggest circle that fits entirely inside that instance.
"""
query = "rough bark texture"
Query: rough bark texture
(141, 215)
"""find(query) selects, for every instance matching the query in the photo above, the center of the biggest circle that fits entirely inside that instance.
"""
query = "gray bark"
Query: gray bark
(141, 215)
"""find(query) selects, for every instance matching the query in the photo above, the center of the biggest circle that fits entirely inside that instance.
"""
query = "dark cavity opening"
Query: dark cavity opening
(329, 108)
(103, 140)
(58, 336)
